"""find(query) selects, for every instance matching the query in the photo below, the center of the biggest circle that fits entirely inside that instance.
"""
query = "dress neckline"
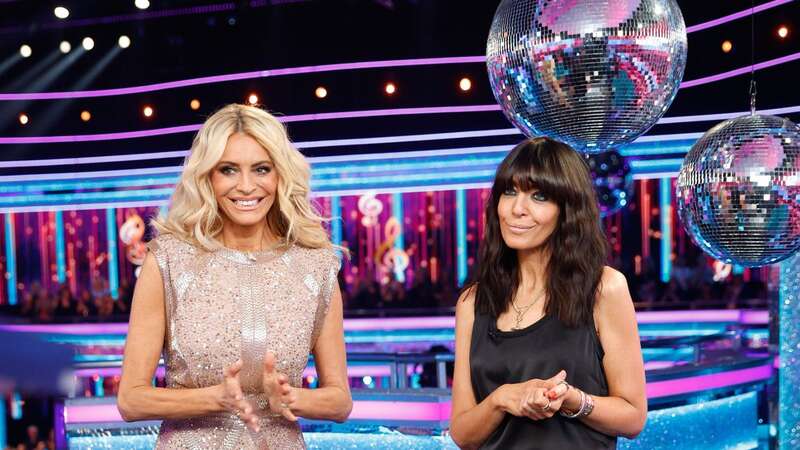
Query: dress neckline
(259, 256)
(522, 331)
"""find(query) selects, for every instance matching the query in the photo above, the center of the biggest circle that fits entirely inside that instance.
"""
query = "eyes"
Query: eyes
(538, 196)
(228, 170)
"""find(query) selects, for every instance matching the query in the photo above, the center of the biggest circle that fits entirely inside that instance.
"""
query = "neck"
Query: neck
(532, 266)
(246, 239)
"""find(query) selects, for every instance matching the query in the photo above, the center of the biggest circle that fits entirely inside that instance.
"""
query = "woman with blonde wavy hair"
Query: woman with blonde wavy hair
(237, 289)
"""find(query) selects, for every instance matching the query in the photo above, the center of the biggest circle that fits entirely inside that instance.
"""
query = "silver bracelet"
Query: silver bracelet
(580, 410)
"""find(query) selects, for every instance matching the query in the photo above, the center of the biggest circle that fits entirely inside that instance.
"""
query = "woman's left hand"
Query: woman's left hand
(542, 403)
(281, 395)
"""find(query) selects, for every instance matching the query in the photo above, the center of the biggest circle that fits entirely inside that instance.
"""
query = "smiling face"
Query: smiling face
(527, 218)
(244, 182)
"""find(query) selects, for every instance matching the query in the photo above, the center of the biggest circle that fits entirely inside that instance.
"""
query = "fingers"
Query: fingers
(558, 391)
(537, 406)
(234, 369)
(269, 362)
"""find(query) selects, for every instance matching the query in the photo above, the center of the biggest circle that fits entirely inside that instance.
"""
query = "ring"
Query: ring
(284, 406)
(547, 406)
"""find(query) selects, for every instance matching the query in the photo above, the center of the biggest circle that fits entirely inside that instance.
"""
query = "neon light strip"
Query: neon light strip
(113, 268)
(426, 323)
(397, 212)
(699, 383)
(461, 236)
(665, 198)
(61, 260)
(320, 69)
(285, 119)
(243, 76)
(11, 260)
(740, 71)
(734, 16)
(336, 222)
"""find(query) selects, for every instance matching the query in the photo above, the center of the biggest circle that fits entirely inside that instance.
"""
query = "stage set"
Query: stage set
(685, 111)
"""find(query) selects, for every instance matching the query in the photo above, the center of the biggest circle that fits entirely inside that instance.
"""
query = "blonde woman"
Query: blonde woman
(238, 288)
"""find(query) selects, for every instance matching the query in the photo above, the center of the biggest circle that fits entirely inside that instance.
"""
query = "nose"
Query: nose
(246, 184)
(519, 208)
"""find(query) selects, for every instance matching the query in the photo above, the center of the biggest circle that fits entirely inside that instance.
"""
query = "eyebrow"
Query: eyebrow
(257, 163)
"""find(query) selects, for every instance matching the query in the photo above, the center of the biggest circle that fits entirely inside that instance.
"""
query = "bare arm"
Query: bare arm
(137, 398)
(471, 423)
(332, 400)
(624, 411)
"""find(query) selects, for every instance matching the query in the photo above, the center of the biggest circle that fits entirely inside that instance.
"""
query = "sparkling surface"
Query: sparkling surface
(228, 304)
(612, 179)
(728, 423)
(738, 190)
(595, 74)
(788, 394)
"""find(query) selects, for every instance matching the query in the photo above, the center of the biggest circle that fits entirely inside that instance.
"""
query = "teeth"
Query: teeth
(246, 202)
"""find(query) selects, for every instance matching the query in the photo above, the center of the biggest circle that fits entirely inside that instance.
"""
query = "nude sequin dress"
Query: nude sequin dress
(228, 304)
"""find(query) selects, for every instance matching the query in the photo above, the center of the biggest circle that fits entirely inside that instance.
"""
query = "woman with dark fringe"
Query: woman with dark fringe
(547, 345)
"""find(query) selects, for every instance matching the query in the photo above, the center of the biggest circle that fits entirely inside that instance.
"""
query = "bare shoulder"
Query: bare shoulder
(613, 285)
(613, 301)
(465, 306)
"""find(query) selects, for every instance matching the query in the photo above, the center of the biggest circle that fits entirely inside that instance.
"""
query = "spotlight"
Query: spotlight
(142, 4)
(147, 111)
(86, 116)
(252, 99)
(390, 88)
(124, 41)
(321, 92)
(23, 119)
(88, 43)
(783, 31)
(465, 84)
(61, 12)
(65, 47)
(727, 46)
(194, 104)
(26, 51)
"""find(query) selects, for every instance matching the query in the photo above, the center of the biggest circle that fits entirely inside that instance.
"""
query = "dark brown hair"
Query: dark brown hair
(577, 246)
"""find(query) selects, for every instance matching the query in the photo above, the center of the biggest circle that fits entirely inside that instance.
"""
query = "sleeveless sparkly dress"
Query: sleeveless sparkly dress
(226, 305)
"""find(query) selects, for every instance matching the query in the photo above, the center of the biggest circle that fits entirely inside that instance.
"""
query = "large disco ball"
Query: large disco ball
(595, 74)
(739, 190)
(613, 181)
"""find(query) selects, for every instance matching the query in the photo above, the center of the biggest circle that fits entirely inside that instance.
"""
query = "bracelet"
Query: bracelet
(586, 408)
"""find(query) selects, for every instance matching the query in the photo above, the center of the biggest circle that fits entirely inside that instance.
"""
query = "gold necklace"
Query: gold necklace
(521, 311)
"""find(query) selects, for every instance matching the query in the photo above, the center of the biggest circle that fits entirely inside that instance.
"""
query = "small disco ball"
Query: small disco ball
(595, 74)
(739, 190)
(612, 180)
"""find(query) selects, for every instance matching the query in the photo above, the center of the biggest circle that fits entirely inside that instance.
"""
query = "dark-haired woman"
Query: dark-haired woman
(547, 345)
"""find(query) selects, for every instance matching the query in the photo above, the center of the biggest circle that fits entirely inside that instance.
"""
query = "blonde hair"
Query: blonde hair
(193, 214)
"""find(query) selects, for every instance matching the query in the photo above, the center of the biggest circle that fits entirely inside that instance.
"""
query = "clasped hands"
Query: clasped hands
(535, 399)
(281, 396)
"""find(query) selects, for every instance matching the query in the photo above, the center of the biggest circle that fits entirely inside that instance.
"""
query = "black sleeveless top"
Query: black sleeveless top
(538, 351)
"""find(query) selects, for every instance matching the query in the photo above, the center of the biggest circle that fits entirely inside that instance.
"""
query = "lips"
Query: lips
(246, 204)
(519, 228)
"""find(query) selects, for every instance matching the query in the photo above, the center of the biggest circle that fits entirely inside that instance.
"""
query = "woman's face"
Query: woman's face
(527, 218)
(244, 182)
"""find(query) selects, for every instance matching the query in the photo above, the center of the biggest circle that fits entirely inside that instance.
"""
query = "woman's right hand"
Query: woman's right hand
(511, 397)
(232, 398)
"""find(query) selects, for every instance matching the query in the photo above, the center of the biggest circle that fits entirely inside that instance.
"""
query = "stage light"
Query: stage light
(23, 119)
(194, 104)
(783, 31)
(390, 88)
(26, 51)
(727, 46)
(88, 43)
(321, 92)
(252, 99)
(147, 111)
(61, 12)
(86, 116)
(124, 41)
(65, 47)
(142, 4)
(465, 84)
